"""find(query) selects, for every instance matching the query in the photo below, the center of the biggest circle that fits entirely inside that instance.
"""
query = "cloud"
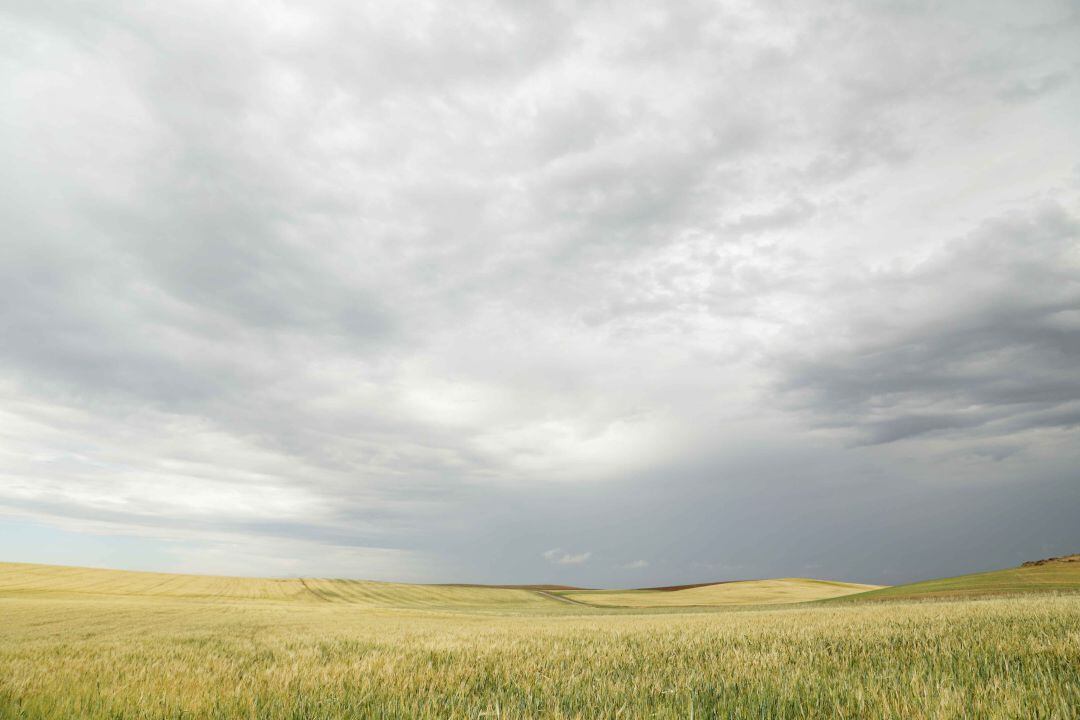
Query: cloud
(422, 282)
(557, 557)
(976, 338)
(635, 565)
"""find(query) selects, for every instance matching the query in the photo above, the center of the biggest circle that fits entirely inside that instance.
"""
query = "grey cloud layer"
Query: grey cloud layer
(400, 278)
(983, 336)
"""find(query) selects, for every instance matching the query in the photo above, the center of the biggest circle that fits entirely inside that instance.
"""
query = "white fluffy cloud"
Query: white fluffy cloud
(557, 557)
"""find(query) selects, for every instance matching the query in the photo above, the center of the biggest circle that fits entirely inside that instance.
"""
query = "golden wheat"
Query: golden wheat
(114, 656)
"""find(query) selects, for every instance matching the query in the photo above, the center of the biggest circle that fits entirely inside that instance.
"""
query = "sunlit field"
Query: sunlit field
(751, 592)
(133, 645)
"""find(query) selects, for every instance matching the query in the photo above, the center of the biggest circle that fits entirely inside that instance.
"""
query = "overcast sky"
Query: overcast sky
(595, 293)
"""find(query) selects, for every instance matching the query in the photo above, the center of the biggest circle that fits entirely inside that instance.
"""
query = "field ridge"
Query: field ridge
(1052, 575)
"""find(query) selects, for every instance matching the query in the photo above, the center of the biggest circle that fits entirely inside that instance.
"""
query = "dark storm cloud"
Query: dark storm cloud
(467, 285)
(983, 336)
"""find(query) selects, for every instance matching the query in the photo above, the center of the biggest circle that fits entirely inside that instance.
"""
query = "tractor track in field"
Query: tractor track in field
(307, 587)
(560, 598)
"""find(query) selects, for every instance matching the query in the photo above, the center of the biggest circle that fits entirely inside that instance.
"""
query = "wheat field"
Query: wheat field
(780, 591)
(189, 647)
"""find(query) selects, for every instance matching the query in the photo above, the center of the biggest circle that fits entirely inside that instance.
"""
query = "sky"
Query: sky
(595, 293)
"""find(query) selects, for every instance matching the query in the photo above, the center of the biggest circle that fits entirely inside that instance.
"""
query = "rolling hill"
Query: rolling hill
(22, 579)
(1053, 575)
(743, 592)
(29, 579)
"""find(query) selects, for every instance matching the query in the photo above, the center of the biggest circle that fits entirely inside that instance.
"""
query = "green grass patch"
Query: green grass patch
(1051, 577)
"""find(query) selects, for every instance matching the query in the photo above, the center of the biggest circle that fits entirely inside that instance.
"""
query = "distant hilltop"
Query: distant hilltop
(1075, 557)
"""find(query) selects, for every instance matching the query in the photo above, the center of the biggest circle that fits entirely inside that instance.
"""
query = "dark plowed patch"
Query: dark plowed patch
(1046, 561)
(512, 587)
(672, 588)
